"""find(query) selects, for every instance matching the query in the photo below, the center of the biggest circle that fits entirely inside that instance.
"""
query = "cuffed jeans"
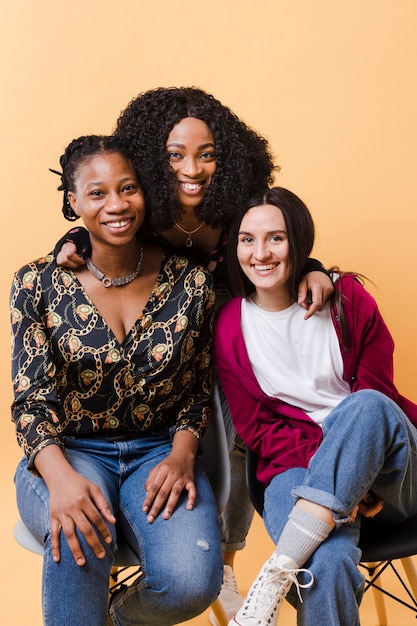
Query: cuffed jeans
(180, 558)
(369, 445)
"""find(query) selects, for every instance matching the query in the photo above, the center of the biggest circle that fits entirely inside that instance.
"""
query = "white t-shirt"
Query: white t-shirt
(295, 360)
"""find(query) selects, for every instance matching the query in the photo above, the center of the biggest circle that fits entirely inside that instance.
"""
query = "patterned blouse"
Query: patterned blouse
(71, 376)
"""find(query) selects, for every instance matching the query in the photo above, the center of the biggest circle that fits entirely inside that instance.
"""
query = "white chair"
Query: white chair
(216, 460)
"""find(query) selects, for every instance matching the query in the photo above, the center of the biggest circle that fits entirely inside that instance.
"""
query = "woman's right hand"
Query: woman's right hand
(68, 257)
(76, 503)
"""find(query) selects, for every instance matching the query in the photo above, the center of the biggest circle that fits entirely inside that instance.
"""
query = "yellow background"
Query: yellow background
(332, 85)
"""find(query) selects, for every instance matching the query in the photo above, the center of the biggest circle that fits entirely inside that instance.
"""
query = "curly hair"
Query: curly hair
(78, 151)
(243, 157)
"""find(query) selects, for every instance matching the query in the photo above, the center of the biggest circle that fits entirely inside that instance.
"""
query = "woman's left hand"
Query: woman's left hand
(370, 505)
(168, 479)
(319, 285)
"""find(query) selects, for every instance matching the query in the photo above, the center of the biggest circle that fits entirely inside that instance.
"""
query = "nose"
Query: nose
(191, 167)
(261, 251)
(117, 202)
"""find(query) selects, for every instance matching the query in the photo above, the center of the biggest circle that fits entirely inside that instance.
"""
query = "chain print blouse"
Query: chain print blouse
(71, 377)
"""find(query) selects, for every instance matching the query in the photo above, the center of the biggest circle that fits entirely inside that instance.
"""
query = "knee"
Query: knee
(336, 566)
(188, 591)
(200, 584)
(364, 407)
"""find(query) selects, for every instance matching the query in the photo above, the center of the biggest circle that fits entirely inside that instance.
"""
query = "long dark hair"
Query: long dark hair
(300, 233)
(243, 157)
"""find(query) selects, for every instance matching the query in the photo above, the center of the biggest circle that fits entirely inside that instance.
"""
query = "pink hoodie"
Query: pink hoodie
(284, 436)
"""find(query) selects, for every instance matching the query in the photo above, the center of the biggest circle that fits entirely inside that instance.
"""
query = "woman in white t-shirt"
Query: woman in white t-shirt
(315, 400)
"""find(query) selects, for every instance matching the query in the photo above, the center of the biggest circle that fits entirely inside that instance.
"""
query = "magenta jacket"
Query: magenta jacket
(282, 435)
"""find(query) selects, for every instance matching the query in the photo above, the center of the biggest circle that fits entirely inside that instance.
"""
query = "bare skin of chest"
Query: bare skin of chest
(121, 306)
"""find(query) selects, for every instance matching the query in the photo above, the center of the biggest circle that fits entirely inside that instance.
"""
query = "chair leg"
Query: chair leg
(411, 573)
(219, 612)
(379, 601)
(380, 607)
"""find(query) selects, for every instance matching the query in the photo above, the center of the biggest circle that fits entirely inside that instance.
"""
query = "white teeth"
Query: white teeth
(190, 186)
(120, 224)
(261, 268)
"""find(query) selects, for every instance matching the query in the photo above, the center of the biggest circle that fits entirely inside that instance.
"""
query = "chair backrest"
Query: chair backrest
(387, 542)
(215, 456)
(255, 488)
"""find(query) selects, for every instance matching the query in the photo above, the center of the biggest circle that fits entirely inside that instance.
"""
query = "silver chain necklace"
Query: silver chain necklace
(119, 280)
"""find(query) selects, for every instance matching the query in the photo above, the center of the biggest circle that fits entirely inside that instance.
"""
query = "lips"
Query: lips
(191, 187)
(265, 268)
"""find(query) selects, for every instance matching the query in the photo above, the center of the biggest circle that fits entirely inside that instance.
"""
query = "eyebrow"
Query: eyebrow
(103, 182)
(181, 145)
(271, 232)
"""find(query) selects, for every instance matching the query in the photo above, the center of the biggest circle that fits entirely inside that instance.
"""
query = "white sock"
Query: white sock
(302, 535)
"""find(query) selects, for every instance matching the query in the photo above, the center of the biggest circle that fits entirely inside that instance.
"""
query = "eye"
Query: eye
(208, 156)
(246, 239)
(174, 156)
(130, 188)
(96, 193)
(277, 238)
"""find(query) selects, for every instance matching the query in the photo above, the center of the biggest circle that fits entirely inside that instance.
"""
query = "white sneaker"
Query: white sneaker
(229, 596)
(263, 600)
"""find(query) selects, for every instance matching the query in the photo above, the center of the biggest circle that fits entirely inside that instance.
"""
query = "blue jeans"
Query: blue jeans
(181, 557)
(369, 445)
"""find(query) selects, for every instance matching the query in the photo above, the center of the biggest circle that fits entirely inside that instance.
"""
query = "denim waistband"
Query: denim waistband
(123, 436)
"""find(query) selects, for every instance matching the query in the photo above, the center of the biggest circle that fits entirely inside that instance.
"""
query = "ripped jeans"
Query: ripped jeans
(369, 445)
(182, 568)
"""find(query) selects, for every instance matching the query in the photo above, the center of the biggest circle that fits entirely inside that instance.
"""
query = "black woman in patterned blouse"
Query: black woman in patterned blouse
(112, 395)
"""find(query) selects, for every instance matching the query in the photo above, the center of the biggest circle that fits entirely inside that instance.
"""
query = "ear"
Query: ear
(72, 201)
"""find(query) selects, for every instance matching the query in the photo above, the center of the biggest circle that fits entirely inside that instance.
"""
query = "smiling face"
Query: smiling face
(192, 157)
(263, 250)
(108, 198)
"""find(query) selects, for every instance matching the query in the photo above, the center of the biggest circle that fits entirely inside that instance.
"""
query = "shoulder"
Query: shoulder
(29, 285)
(360, 307)
(228, 315)
(351, 286)
(35, 270)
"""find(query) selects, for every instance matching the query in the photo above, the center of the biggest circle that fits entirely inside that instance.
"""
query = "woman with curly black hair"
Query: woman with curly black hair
(242, 156)
(198, 164)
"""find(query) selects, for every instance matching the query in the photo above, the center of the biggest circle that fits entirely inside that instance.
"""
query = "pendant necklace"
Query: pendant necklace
(119, 280)
(189, 241)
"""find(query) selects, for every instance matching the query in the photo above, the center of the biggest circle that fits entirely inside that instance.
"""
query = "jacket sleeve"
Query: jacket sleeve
(80, 237)
(313, 265)
(371, 344)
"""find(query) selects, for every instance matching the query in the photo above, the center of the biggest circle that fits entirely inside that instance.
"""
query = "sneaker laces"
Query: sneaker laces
(273, 586)
(229, 581)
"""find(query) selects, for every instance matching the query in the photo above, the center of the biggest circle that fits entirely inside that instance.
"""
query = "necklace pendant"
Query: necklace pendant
(188, 241)
(106, 282)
